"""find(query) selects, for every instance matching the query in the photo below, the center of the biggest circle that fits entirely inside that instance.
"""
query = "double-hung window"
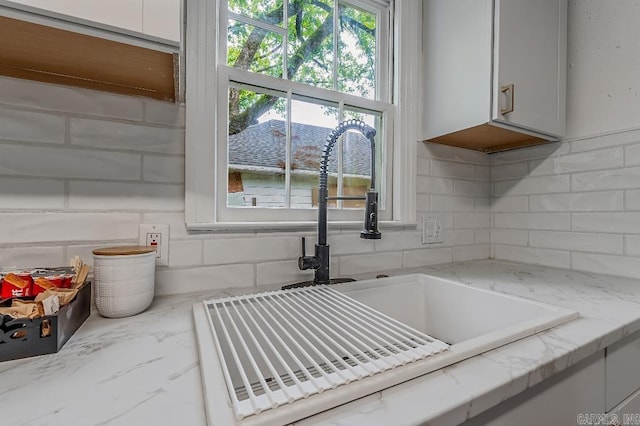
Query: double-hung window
(267, 82)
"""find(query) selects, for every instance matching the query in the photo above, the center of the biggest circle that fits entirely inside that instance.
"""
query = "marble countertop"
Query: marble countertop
(144, 369)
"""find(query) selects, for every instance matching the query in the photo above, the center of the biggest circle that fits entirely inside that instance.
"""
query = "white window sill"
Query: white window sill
(292, 226)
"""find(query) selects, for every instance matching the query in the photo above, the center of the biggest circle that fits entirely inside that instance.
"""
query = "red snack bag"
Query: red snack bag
(40, 285)
(56, 280)
(14, 286)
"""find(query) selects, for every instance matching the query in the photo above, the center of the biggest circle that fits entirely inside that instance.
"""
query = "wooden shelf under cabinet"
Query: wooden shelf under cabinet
(51, 55)
(488, 138)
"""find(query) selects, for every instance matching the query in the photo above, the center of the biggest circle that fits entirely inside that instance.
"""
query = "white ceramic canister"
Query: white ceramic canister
(124, 279)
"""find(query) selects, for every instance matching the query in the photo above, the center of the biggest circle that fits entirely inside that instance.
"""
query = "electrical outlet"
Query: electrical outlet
(432, 229)
(156, 236)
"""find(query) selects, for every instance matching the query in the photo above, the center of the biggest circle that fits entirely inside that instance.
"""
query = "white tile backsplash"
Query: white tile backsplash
(29, 193)
(25, 93)
(66, 226)
(621, 178)
(58, 162)
(95, 195)
(593, 224)
(29, 126)
(81, 169)
(577, 201)
(126, 136)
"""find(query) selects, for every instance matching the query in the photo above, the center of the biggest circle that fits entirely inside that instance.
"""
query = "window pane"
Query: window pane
(254, 49)
(257, 149)
(310, 56)
(269, 11)
(357, 158)
(311, 124)
(357, 52)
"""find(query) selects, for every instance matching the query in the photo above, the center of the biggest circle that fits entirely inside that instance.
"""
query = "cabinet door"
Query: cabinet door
(556, 401)
(529, 68)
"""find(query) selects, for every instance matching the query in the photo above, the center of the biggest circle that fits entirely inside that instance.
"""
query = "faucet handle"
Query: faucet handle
(307, 262)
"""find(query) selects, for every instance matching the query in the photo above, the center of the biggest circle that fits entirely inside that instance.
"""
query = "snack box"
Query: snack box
(24, 337)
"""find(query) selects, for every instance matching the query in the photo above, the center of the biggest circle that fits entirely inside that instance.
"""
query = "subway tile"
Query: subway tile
(30, 257)
(590, 160)
(605, 141)
(525, 154)
(452, 170)
(65, 99)
(516, 237)
(27, 193)
(250, 249)
(168, 113)
(483, 173)
(632, 155)
(471, 188)
(632, 199)
(185, 253)
(423, 166)
(157, 168)
(425, 257)
(29, 126)
(434, 185)
(577, 241)
(536, 256)
(578, 201)
(458, 237)
(450, 203)
(509, 171)
(519, 203)
(482, 236)
(541, 221)
(605, 264)
(177, 281)
(422, 202)
(544, 166)
(349, 243)
(482, 204)
(177, 227)
(471, 220)
(360, 264)
(46, 227)
(532, 185)
(622, 178)
(397, 241)
(129, 136)
(612, 222)
(632, 245)
(94, 195)
(55, 162)
(286, 272)
(475, 252)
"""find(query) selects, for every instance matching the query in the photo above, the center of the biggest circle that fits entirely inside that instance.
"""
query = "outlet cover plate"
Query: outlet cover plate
(159, 234)
(432, 229)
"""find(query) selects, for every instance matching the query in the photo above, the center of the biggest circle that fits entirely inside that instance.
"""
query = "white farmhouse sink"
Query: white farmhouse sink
(470, 320)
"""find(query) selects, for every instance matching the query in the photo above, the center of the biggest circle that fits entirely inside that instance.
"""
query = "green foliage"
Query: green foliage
(310, 51)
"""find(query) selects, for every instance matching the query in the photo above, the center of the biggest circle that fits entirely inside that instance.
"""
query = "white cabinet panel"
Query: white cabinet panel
(528, 56)
(484, 58)
(623, 372)
(556, 401)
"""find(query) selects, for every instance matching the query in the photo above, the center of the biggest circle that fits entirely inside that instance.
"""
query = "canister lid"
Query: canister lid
(123, 250)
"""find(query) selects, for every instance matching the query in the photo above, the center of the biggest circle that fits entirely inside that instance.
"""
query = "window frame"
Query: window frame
(206, 180)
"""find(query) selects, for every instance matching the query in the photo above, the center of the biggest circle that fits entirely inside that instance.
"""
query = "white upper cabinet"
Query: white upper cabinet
(495, 72)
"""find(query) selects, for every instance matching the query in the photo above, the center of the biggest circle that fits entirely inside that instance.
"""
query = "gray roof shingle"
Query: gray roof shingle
(263, 145)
